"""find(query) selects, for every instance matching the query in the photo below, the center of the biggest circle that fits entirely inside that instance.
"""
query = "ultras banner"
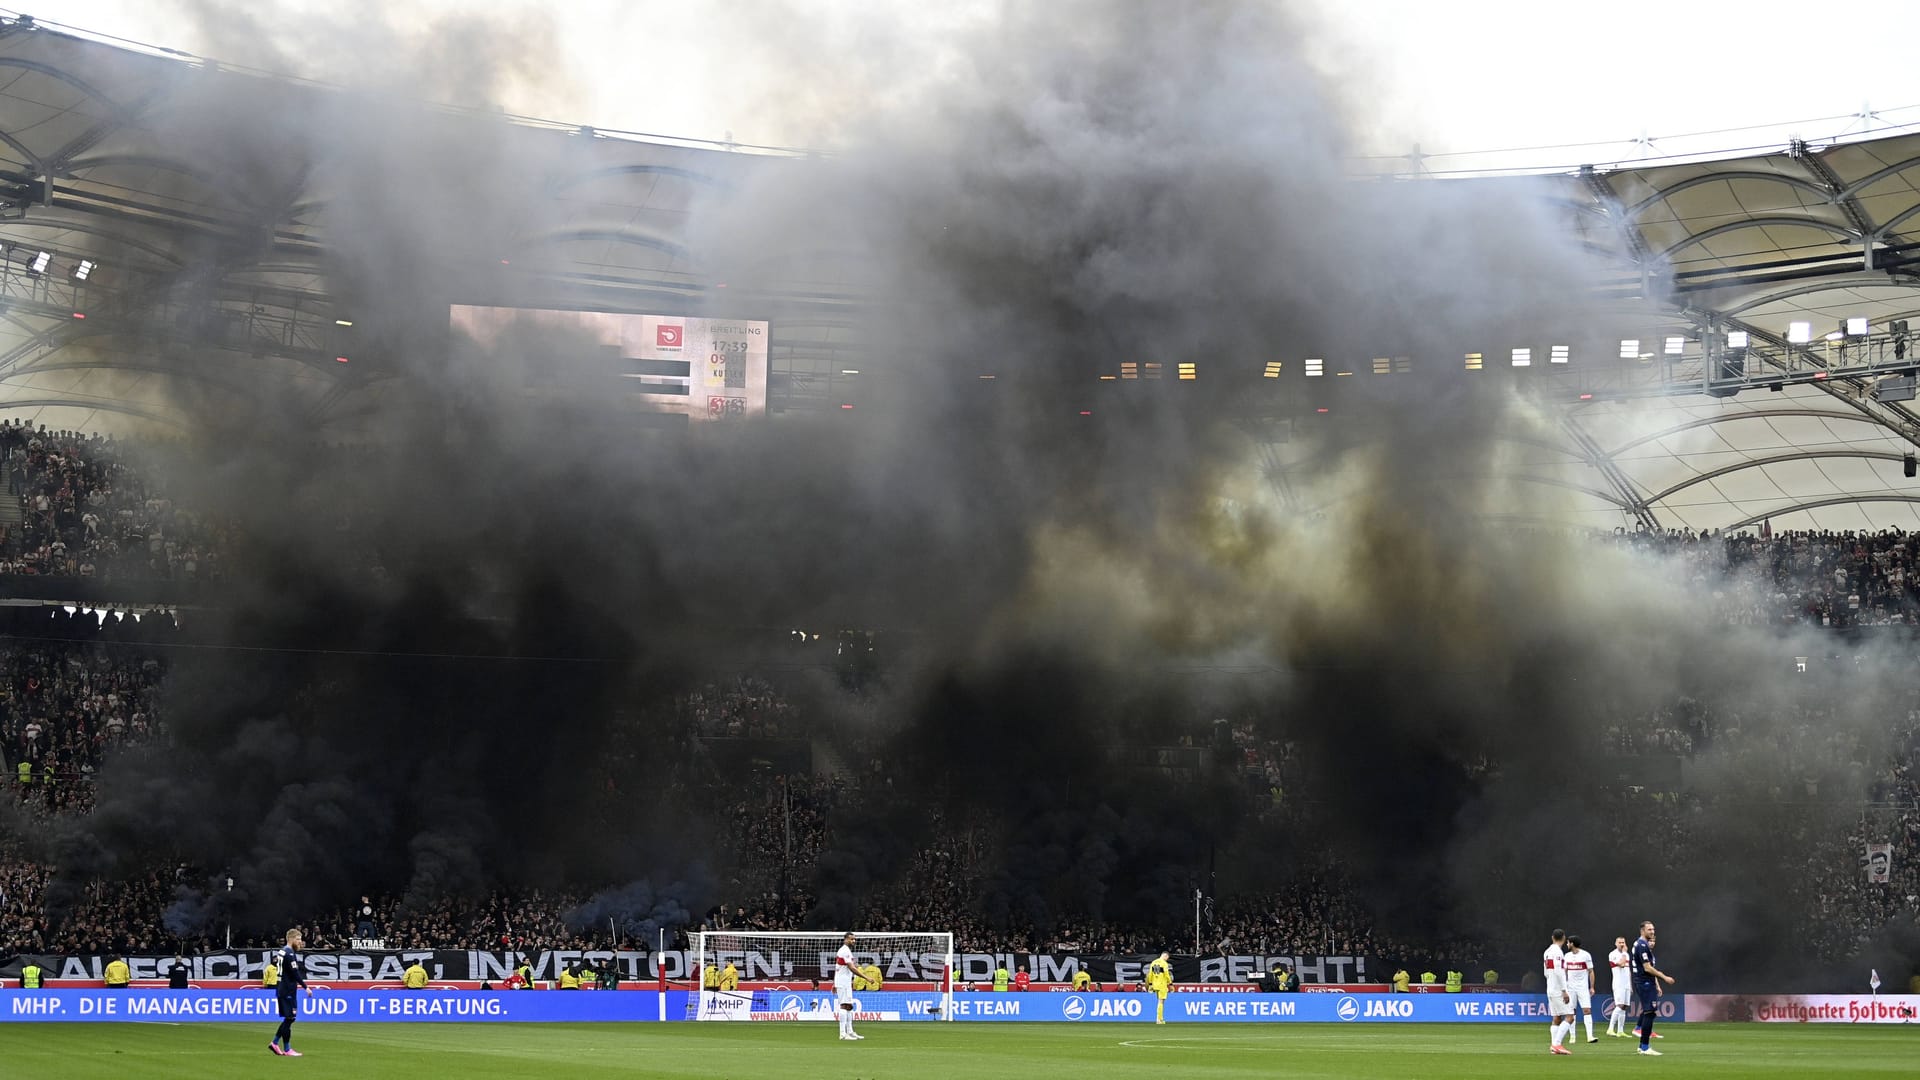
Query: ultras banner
(799, 965)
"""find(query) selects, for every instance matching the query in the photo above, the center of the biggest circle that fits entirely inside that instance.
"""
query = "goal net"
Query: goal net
(789, 975)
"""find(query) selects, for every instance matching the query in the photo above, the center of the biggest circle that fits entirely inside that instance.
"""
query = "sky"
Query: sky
(1564, 84)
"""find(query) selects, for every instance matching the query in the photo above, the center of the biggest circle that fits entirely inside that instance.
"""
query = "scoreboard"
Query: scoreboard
(708, 369)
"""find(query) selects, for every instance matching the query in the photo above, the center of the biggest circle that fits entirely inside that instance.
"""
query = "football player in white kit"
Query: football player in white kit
(1621, 961)
(1579, 968)
(1559, 998)
(843, 987)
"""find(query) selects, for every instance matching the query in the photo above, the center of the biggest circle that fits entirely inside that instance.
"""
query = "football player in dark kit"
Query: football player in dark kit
(1646, 984)
(293, 976)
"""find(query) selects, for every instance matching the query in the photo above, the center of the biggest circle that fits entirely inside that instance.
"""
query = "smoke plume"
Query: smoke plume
(1061, 189)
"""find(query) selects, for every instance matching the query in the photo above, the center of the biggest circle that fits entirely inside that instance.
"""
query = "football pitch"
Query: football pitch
(1056, 1051)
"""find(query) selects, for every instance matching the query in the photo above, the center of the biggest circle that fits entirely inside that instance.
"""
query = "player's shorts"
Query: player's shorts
(1557, 1007)
(289, 1006)
(843, 995)
(1623, 995)
(1646, 996)
(1583, 998)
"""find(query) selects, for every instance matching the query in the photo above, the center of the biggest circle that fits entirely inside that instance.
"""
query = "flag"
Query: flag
(1879, 863)
(1875, 980)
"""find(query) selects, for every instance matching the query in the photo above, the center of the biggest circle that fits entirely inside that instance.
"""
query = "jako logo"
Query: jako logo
(1391, 1007)
(790, 1003)
(1123, 1007)
(1073, 1008)
(1348, 1009)
(666, 337)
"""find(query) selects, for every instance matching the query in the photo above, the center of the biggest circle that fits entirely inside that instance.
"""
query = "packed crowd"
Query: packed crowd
(1822, 578)
(65, 705)
(742, 707)
(88, 509)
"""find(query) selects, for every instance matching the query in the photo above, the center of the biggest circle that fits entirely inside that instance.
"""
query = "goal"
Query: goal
(788, 975)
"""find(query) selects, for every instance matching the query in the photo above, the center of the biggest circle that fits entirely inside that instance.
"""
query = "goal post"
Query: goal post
(788, 975)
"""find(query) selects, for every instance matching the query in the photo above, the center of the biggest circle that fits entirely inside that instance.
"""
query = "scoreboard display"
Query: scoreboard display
(707, 369)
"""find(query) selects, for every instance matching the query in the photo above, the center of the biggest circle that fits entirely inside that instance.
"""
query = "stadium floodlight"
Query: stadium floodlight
(83, 269)
(1188, 371)
(1676, 345)
(343, 322)
(1315, 367)
(1129, 369)
(1383, 365)
(1273, 369)
(1799, 333)
(1836, 336)
(1523, 358)
(849, 371)
(1736, 339)
(1629, 348)
(1857, 326)
(1475, 361)
(1560, 354)
(40, 263)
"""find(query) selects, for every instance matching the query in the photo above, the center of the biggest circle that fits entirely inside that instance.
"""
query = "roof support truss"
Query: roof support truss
(1777, 459)
(1837, 194)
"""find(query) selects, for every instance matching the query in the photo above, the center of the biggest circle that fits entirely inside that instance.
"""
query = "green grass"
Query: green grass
(960, 1051)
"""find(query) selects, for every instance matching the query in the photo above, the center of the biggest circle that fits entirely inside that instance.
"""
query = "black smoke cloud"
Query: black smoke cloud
(637, 912)
(1075, 186)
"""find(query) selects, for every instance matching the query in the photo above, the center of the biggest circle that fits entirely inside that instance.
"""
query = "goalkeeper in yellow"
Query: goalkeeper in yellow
(1159, 981)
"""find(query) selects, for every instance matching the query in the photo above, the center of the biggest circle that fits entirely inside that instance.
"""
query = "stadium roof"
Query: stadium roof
(1753, 245)
(1815, 234)
(202, 290)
